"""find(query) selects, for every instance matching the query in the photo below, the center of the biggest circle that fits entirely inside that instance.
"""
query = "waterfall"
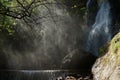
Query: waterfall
(100, 32)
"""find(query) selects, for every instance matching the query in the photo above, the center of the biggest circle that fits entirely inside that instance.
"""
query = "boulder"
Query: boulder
(107, 67)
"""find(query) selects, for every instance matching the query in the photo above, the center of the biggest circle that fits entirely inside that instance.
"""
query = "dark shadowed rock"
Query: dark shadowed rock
(78, 59)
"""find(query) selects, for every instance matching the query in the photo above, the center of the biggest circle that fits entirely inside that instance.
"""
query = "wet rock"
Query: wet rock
(60, 78)
(80, 78)
(87, 77)
(70, 78)
(107, 67)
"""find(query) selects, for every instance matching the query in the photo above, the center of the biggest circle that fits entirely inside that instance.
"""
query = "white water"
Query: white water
(100, 32)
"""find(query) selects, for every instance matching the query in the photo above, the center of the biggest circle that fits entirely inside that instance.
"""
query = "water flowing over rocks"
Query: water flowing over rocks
(107, 67)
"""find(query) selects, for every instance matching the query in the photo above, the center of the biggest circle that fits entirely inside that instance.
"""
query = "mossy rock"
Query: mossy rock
(107, 67)
(115, 43)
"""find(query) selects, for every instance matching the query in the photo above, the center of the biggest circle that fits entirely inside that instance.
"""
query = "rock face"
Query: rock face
(107, 67)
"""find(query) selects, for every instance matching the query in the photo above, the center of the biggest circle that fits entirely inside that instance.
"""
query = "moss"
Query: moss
(115, 44)
(104, 49)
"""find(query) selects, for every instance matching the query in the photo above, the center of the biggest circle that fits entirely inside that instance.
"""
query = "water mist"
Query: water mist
(55, 39)
(43, 46)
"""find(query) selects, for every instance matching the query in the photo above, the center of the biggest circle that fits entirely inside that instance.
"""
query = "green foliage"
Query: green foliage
(6, 29)
(18, 8)
(10, 10)
(76, 7)
(6, 25)
(14, 3)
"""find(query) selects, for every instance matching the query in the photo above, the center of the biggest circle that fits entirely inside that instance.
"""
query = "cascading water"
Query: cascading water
(101, 30)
